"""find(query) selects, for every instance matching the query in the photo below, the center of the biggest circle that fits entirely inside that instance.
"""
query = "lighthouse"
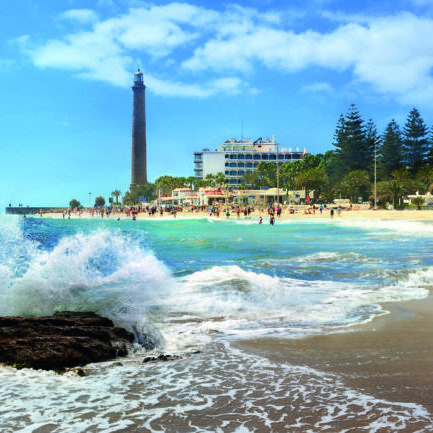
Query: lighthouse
(138, 165)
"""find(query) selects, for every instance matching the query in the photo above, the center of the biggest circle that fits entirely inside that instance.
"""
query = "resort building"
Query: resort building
(237, 158)
(210, 196)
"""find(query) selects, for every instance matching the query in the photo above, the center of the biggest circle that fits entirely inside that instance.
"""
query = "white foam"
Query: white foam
(102, 272)
(243, 389)
(231, 300)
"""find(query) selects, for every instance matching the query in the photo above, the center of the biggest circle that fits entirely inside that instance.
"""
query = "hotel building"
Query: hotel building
(236, 158)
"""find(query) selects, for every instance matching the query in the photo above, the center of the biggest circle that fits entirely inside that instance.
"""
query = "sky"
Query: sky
(283, 68)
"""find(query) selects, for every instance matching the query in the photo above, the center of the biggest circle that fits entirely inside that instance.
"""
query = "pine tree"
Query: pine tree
(430, 143)
(372, 142)
(415, 143)
(390, 151)
(350, 141)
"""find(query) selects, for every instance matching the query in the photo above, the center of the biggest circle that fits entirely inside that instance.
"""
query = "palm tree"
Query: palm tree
(383, 193)
(418, 202)
(401, 174)
(395, 189)
(190, 181)
(425, 177)
(355, 184)
(312, 178)
(116, 194)
(220, 179)
(210, 179)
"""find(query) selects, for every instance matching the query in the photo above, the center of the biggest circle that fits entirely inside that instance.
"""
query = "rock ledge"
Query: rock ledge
(66, 339)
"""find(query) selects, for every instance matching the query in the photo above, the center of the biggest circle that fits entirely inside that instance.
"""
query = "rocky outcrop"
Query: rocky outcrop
(67, 339)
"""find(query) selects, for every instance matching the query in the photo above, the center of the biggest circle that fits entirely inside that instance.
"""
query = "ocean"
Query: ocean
(203, 285)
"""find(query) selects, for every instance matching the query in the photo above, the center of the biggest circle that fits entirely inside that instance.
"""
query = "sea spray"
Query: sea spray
(104, 272)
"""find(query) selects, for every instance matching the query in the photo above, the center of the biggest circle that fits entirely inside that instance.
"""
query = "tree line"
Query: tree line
(404, 162)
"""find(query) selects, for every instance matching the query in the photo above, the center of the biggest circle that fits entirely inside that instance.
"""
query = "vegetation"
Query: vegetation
(74, 203)
(403, 158)
(418, 201)
(147, 192)
(116, 194)
(100, 201)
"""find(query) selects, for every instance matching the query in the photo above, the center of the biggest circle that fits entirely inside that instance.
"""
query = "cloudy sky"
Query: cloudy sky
(287, 68)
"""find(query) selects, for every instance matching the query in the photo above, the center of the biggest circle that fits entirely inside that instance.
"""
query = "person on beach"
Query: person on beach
(339, 211)
(321, 209)
(227, 214)
(260, 220)
(272, 219)
(332, 213)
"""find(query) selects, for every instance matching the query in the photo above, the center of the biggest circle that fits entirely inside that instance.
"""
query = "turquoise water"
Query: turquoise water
(200, 284)
(301, 276)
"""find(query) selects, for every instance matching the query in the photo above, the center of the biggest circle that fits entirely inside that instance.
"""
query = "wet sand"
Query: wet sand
(390, 357)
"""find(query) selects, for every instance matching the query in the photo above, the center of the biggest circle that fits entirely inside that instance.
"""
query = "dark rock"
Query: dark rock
(166, 357)
(162, 357)
(67, 339)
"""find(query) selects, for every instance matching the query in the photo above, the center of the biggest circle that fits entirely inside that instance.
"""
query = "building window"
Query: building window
(272, 157)
(280, 156)
(241, 164)
(265, 157)
(249, 164)
(256, 157)
(226, 172)
(240, 156)
(226, 155)
(233, 164)
(232, 156)
(248, 156)
(256, 164)
(241, 172)
(227, 164)
(295, 156)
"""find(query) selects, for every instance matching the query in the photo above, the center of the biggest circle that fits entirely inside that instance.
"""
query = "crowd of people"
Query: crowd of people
(271, 211)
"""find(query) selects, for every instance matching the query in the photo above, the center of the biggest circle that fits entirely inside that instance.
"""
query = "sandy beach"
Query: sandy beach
(389, 358)
(407, 214)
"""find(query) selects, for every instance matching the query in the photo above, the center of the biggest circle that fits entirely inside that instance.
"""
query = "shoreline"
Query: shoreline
(407, 214)
(388, 357)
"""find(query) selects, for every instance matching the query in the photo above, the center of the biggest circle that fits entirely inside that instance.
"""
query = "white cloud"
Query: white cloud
(392, 55)
(80, 15)
(228, 85)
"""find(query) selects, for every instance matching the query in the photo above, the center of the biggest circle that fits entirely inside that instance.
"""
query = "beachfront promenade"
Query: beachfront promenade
(301, 212)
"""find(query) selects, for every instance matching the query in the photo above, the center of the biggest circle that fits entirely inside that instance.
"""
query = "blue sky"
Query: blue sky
(283, 68)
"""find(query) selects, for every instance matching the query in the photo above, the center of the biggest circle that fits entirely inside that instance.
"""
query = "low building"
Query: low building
(185, 196)
(428, 198)
(237, 158)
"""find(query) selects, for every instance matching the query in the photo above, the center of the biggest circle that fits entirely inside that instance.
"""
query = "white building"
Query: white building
(237, 158)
